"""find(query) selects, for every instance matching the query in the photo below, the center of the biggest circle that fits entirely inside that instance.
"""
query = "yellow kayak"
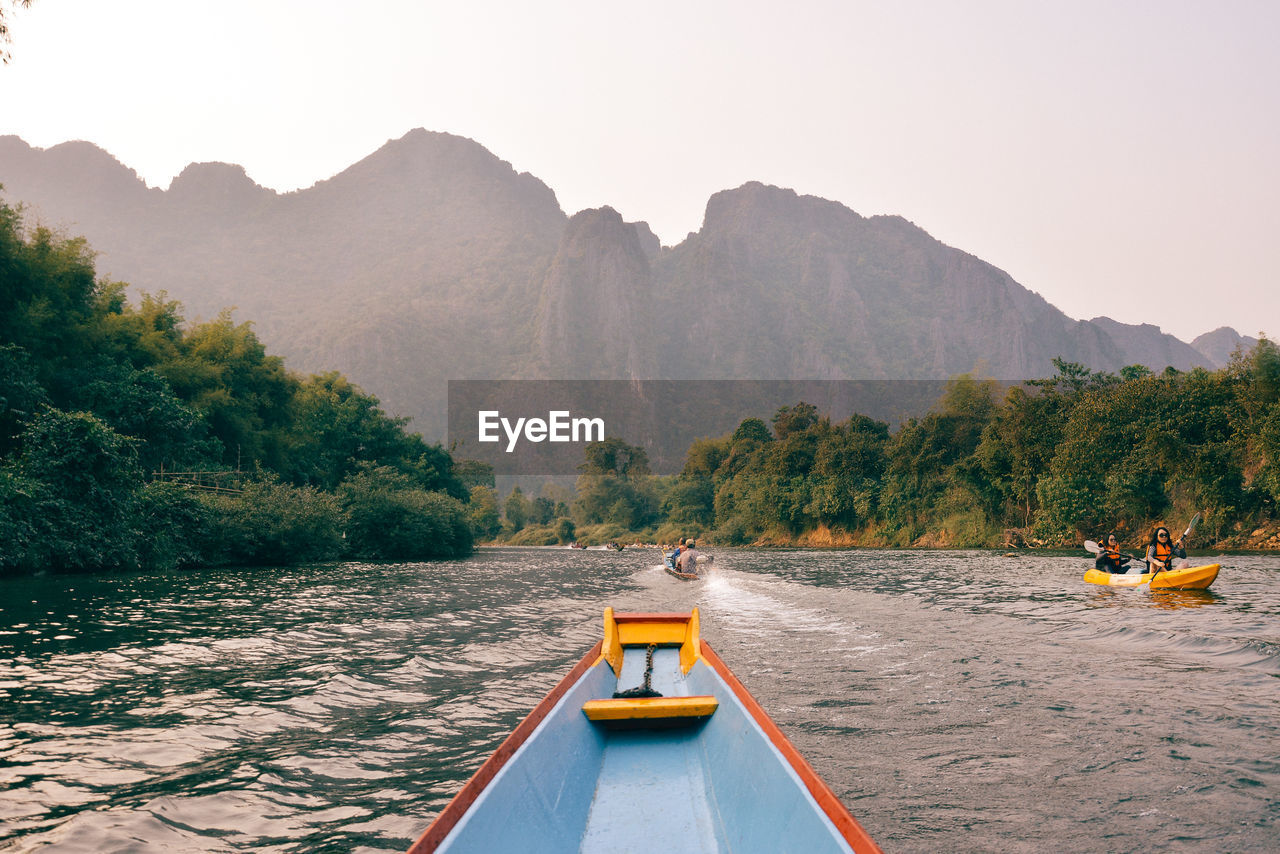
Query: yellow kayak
(1189, 578)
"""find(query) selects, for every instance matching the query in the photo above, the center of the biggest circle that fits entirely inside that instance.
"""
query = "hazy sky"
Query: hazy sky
(1119, 158)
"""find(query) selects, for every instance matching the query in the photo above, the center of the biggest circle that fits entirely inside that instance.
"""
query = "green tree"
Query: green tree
(931, 469)
(223, 372)
(541, 510)
(472, 473)
(95, 394)
(1134, 372)
(690, 502)
(794, 419)
(565, 530)
(751, 430)
(482, 511)
(1073, 379)
(47, 303)
(690, 499)
(1015, 450)
(516, 509)
(614, 457)
(74, 480)
(389, 518)
(1264, 373)
(21, 395)
(704, 457)
(848, 467)
(1268, 477)
(336, 429)
(750, 435)
(174, 524)
(145, 336)
(615, 486)
(1113, 460)
(140, 404)
(20, 501)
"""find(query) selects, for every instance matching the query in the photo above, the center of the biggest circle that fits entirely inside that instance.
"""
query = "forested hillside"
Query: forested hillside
(1047, 463)
(130, 439)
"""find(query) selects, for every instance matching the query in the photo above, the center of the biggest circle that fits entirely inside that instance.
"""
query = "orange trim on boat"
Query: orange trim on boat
(439, 829)
(846, 824)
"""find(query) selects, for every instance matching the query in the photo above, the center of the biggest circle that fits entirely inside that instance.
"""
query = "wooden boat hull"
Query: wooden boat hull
(1189, 578)
(588, 771)
(683, 576)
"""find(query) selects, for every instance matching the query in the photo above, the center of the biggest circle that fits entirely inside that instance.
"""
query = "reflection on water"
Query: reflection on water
(1169, 600)
(953, 700)
(1172, 600)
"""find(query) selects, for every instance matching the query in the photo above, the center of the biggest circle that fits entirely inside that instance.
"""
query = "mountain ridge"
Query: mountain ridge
(433, 259)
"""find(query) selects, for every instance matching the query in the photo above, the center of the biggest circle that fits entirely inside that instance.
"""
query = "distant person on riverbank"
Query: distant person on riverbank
(688, 562)
(1110, 559)
(1163, 554)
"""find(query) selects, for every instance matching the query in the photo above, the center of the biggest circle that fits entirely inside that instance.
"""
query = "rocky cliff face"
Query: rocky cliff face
(432, 259)
(778, 285)
(595, 319)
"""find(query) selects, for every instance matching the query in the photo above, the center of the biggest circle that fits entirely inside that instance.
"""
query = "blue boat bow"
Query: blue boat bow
(603, 765)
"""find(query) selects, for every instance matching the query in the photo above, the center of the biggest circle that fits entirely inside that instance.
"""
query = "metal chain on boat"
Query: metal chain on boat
(645, 690)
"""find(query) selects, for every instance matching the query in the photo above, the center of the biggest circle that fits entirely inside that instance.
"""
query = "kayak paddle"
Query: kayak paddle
(1191, 526)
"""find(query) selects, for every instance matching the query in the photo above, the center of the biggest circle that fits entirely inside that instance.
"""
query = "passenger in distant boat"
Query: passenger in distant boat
(675, 555)
(1163, 554)
(688, 562)
(1110, 559)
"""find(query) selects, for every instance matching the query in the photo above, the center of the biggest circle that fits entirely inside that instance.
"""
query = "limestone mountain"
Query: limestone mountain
(1218, 345)
(1145, 344)
(432, 259)
(392, 271)
(778, 285)
(596, 319)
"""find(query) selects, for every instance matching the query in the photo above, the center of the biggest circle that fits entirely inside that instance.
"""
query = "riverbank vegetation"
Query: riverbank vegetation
(1046, 463)
(131, 439)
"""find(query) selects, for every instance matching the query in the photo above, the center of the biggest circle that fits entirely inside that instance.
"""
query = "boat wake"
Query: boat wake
(767, 609)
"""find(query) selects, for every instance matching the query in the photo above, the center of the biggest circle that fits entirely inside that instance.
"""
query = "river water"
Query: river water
(955, 701)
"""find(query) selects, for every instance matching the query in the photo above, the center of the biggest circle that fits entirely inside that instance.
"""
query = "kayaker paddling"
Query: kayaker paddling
(1164, 553)
(1110, 558)
(1167, 565)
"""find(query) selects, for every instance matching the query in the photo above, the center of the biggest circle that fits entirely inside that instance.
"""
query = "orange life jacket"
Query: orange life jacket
(1163, 551)
(1111, 554)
